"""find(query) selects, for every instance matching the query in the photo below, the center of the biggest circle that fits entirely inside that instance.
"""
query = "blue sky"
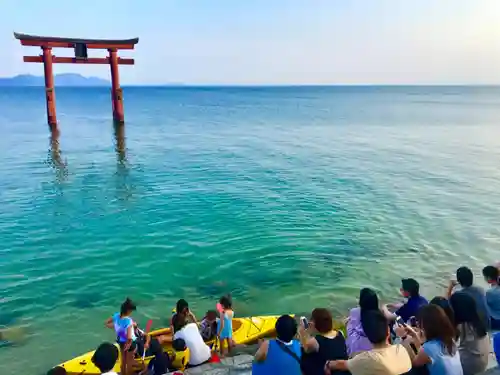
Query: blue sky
(271, 41)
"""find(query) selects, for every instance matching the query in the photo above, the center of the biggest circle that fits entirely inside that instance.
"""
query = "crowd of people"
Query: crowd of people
(450, 335)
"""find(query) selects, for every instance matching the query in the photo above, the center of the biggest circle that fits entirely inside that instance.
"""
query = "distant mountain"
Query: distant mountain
(66, 79)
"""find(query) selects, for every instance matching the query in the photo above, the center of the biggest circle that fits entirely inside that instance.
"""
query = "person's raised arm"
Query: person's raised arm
(451, 286)
(409, 337)
(109, 323)
(261, 354)
(193, 317)
(394, 306)
(388, 315)
(309, 344)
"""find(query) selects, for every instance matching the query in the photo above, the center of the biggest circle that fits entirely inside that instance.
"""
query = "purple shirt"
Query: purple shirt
(356, 338)
(411, 307)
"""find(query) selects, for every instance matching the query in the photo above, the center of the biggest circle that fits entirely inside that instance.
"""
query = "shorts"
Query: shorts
(133, 346)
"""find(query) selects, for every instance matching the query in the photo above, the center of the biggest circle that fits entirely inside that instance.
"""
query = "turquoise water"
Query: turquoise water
(290, 198)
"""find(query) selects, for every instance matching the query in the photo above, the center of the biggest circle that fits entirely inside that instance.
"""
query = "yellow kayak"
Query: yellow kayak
(245, 331)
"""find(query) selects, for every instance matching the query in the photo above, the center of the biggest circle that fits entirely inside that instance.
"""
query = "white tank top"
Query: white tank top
(199, 352)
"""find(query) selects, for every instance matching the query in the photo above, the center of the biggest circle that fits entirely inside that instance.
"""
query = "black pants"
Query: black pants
(151, 351)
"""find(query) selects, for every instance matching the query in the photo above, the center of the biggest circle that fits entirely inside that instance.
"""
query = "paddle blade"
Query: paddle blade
(149, 324)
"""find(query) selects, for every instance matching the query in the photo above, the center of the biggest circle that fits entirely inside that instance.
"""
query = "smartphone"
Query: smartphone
(400, 321)
(304, 322)
(413, 321)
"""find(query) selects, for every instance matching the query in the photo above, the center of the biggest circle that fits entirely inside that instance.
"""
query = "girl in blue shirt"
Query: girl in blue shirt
(439, 351)
(124, 326)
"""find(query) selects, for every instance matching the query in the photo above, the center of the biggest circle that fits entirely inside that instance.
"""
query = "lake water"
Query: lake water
(290, 198)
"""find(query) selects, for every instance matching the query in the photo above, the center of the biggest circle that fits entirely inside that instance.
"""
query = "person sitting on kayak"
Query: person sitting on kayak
(181, 316)
(124, 327)
(208, 326)
(105, 358)
(280, 356)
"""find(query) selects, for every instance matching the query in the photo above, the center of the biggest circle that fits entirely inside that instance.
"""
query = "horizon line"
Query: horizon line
(273, 85)
(257, 84)
(310, 84)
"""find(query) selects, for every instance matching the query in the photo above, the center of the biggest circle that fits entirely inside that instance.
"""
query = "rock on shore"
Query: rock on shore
(238, 365)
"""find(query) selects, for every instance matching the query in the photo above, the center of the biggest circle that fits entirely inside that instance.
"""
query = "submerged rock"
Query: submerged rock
(87, 300)
(13, 335)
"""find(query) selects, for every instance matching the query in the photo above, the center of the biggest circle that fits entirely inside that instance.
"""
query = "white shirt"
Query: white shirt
(109, 373)
(199, 352)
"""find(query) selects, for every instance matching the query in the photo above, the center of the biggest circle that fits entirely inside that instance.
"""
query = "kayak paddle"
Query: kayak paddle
(148, 328)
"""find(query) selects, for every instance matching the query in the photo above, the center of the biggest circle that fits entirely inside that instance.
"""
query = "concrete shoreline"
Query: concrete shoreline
(241, 364)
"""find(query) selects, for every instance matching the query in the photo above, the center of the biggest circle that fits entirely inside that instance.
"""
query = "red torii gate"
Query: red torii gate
(80, 46)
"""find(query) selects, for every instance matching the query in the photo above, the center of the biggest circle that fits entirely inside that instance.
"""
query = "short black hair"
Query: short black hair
(465, 276)
(105, 357)
(286, 328)
(211, 313)
(490, 273)
(127, 306)
(411, 286)
(58, 370)
(376, 326)
(179, 345)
